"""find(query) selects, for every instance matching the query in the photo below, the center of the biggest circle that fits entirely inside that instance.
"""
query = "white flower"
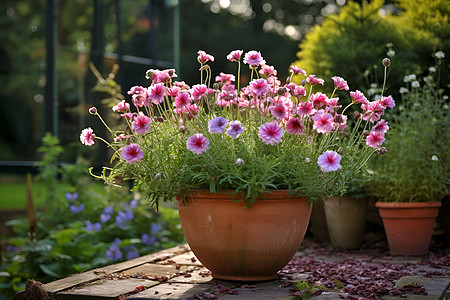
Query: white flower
(409, 78)
(439, 54)
(390, 53)
(403, 90)
(415, 84)
(434, 158)
(432, 69)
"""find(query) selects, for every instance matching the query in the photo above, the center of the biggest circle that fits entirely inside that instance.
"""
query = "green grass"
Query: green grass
(13, 191)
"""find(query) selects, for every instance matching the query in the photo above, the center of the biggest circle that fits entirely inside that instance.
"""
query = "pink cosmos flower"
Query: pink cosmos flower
(197, 143)
(358, 96)
(270, 133)
(121, 137)
(280, 111)
(259, 86)
(333, 102)
(203, 57)
(375, 139)
(329, 161)
(132, 153)
(158, 76)
(268, 71)
(294, 126)
(157, 92)
(182, 99)
(299, 91)
(136, 90)
(387, 102)
(173, 91)
(323, 122)
(318, 99)
(87, 136)
(225, 78)
(373, 111)
(253, 59)
(128, 116)
(312, 79)
(305, 109)
(122, 106)
(141, 123)
(235, 129)
(198, 91)
(381, 126)
(296, 70)
(340, 83)
(235, 55)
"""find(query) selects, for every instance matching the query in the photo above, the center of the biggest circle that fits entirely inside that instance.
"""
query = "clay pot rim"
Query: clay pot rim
(228, 195)
(380, 204)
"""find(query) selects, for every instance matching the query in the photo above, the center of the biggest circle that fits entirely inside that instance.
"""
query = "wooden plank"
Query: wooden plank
(172, 291)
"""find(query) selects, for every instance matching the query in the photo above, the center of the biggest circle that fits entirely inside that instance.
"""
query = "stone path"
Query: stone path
(176, 274)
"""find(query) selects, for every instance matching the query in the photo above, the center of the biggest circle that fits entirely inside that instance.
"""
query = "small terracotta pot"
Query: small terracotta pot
(408, 226)
(346, 221)
(245, 244)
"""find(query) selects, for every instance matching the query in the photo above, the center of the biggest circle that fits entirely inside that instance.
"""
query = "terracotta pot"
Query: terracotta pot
(245, 244)
(346, 221)
(408, 226)
(318, 223)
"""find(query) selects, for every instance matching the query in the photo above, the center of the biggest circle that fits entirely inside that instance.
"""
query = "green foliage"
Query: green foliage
(356, 39)
(416, 167)
(307, 291)
(64, 242)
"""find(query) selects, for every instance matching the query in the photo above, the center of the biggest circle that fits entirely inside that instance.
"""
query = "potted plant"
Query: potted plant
(413, 176)
(243, 162)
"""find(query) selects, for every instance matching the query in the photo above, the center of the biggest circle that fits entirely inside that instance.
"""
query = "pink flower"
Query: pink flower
(203, 57)
(157, 92)
(312, 79)
(280, 111)
(132, 153)
(121, 137)
(358, 96)
(381, 126)
(375, 139)
(329, 161)
(387, 102)
(340, 83)
(318, 99)
(296, 70)
(294, 126)
(323, 122)
(268, 71)
(235, 55)
(141, 123)
(373, 111)
(225, 78)
(333, 102)
(305, 109)
(173, 91)
(198, 91)
(158, 76)
(182, 99)
(299, 91)
(87, 136)
(253, 59)
(122, 106)
(136, 90)
(197, 143)
(270, 133)
(259, 86)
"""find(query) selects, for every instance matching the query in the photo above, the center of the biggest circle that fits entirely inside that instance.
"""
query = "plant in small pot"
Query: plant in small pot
(346, 216)
(413, 176)
(244, 162)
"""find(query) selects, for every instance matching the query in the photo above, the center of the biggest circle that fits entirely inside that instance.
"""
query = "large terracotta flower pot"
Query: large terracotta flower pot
(408, 226)
(346, 220)
(245, 244)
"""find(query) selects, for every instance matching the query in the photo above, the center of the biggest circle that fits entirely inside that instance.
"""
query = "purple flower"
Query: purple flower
(104, 218)
(93, 227)
(329, 161)
(217, 125)
(197, 143)
(132, 254)
(114, 253)
(12, 249)
(239, 161)
(148, 239)
(155, 228)
(76, 209)
(134, 203)
(109, 210)
(132, 153)
(71, 196)
(270, 133)
(235, 129)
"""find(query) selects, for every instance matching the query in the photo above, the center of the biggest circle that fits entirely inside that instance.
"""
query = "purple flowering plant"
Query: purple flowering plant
(251, 139)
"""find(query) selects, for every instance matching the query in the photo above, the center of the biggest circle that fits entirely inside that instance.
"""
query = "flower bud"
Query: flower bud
(386, 62)
(366, 132)
(303, 82)
(216, 86)
(239, 161)
(340, 150)
(339, 119)
(282, 91)
(288, 80)
(382, 150)
(157, 176)
(203, 68)
(182, 128)
(160, 119)
(356, 115)
(345, 134)
(307, 160)
(93, 110)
